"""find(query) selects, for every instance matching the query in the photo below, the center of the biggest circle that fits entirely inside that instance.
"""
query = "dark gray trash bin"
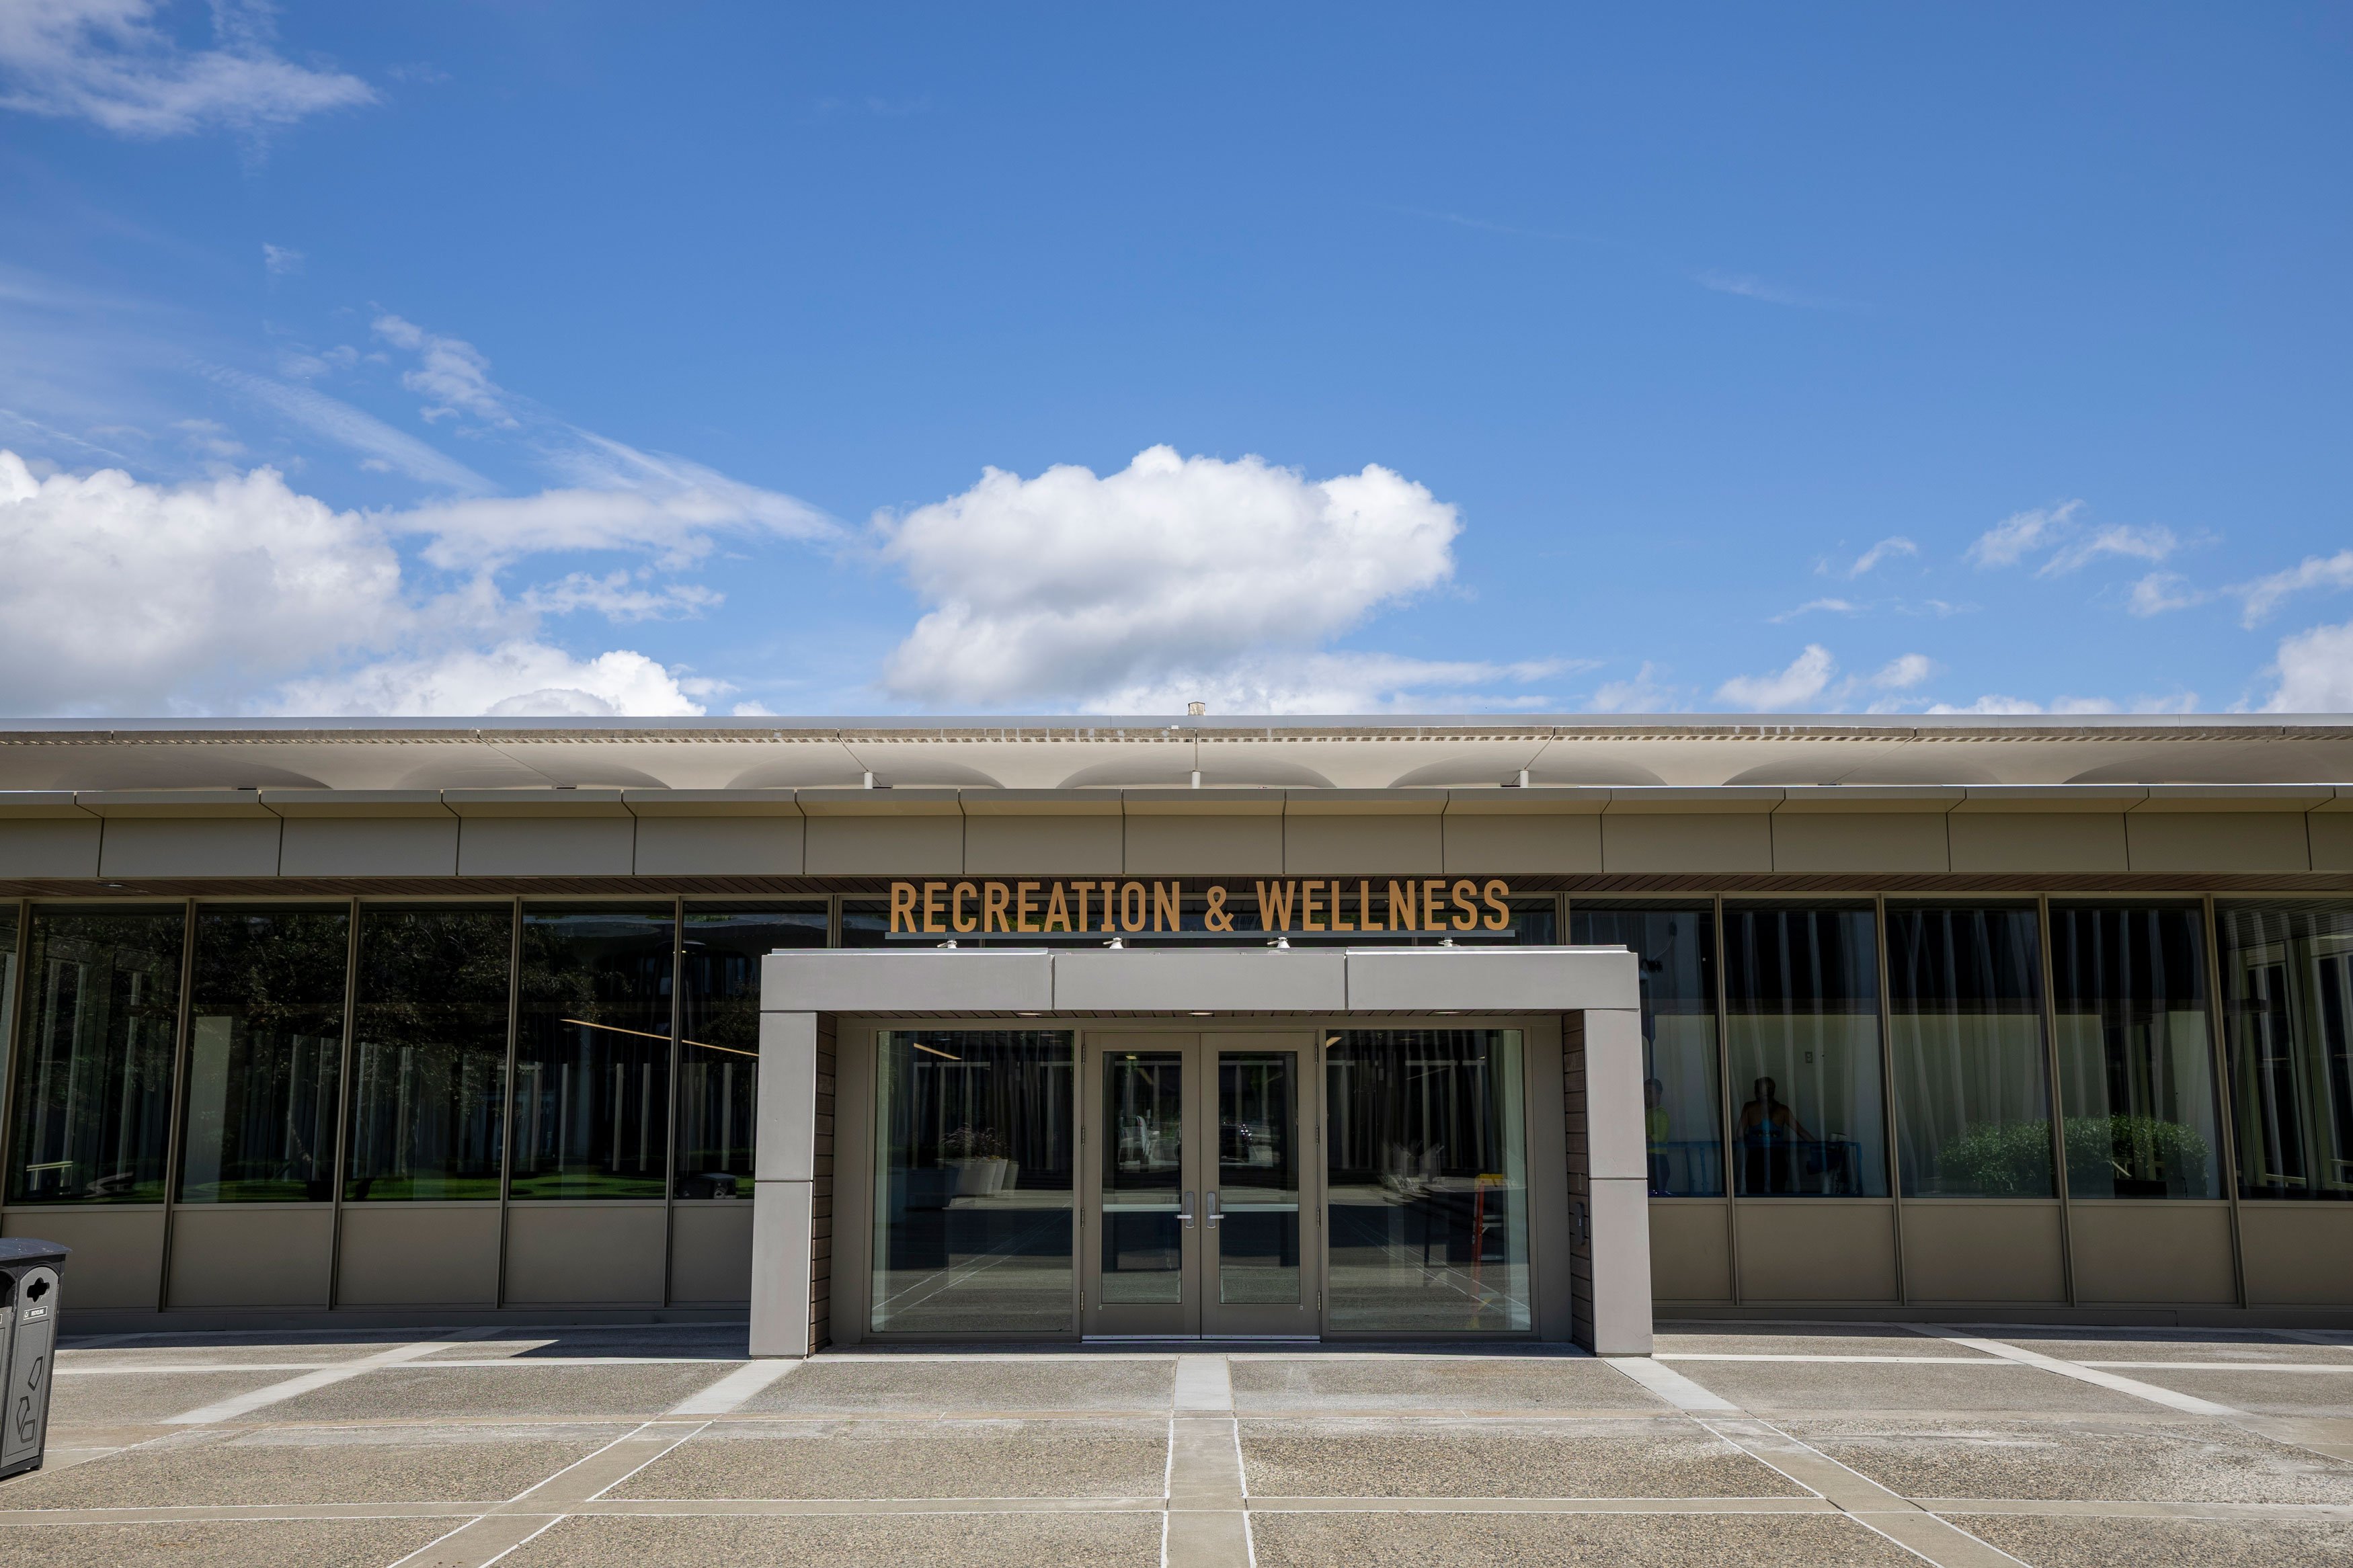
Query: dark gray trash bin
(29, 1343)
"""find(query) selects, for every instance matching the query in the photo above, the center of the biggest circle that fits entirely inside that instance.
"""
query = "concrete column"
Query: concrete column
(785, 1184)
(1609, 1177)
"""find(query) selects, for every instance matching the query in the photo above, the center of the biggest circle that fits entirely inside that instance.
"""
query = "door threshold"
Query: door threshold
(1199, 1340)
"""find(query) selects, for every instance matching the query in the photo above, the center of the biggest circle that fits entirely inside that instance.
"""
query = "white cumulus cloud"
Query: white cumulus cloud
(1172, 574)
(125, 595)
(1807, 677)
(239, 593)
(513, 680)
(2316, 672)
(106, 61)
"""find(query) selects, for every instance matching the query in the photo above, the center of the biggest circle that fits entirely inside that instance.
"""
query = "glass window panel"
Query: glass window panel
(1683, 1109)
(429, 1053)
(865, 923)
(1972, 1080)
(1801, 1031)
(265, 1055)
(2287, 1014)
(719, 1030)
(94, 1071)
(1535, 922)
(2135, 1067)
(592, 1053)
(1143, 1167)
(973, 1157)
(1257, 1177)
(1426, 1142)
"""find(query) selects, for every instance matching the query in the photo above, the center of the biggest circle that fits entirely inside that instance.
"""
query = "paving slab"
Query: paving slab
(1873, 1341)
(1777, 1388)
(2207, 1542)
(2242, 1348)
(416, 1391)
(728, 1342)
(1448, 1384)
(314, 1465)
(1499, 1459)
(229, 1354)
(1551, 1540)
(2182, 1459)
(861, 1387)
(871, 1459)
(127, 1400)
(243, 1543)
(903, 1540)
(2322, 1394)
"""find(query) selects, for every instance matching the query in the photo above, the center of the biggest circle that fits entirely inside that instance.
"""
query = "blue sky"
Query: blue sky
(613, 358)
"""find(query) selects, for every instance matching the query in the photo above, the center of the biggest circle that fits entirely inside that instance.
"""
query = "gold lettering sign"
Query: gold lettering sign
(1119, 907)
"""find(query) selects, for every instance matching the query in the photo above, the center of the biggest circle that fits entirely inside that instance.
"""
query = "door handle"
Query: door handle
(1185, 1210)
(1212, 1217)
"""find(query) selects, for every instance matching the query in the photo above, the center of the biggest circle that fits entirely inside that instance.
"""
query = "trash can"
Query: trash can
(29, 1343)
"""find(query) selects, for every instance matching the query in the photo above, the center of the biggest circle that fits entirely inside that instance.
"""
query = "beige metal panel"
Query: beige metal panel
(910, 846)
(1522, 845)
(1864, 841)
(38, 847)
(1815, 1249)
(1958, 1249)
(1196, 845)
(2150, 1251)
(2217, 841)
(914, 979)
(2239, 797)
(252, 1254)
(1364, 801)
(644, 803)
(118, 1253)
(2045, 799)
(294, 802)
(1010, 846)
(369, 846)
(419, 1255)
(1848, 800)
(1990, 842)
(588, 1254)
(30, 804)
(1314, 846)
(162, 846)
(719, 845)
(174, 803)
(547, 846)
(1165, 980)
(536, 802)
(902, 802)
(2297, 1255)
(2331, 835)
(1689, 799)
(1690, 1250)
(1676, 842)
(711, 1253)
(1601, 981)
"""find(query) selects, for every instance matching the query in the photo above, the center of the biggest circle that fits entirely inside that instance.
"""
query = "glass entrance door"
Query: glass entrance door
(1200, 1216)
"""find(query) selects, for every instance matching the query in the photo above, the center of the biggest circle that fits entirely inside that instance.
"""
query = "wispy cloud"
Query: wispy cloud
(1647, 692)
(1748, 286)
(1887, 549)
(1835, 606)
(2264, 595)
(338, 422)
(279, 261)
(2151, 543)
(106, 62)
(2012, 539)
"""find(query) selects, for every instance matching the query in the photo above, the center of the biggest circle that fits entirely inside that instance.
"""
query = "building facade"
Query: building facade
(1959, 1017)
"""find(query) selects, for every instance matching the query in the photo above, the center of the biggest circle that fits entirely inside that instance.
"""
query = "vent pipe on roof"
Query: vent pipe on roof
(1196, 710)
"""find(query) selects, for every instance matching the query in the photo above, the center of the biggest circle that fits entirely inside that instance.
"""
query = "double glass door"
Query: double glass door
(1200, 1214)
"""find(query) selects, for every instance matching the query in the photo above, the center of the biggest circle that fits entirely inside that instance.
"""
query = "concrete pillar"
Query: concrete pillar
(1609, 1179)
(792, 1190)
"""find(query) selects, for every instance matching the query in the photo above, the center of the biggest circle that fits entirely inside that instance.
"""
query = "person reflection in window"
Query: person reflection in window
(1654, 1133)
(1770, 1133)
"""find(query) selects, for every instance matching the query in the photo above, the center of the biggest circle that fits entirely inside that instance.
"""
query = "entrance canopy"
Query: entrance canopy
(1438, 1140)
